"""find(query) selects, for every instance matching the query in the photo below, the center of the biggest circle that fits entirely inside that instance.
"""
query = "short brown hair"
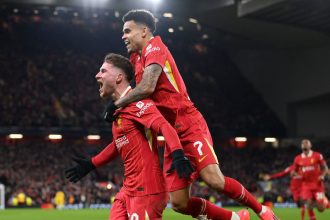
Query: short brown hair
(141, 16)
(122, 63)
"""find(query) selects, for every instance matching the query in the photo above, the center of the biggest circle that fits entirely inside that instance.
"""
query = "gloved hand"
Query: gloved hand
(133, 83)
(181, 164)
(109, 112)
(83, 167)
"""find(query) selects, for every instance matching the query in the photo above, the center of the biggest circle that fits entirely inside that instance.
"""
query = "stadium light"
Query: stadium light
(171, 30)
(15, 136)
(270, 139)
(168, 15)
(205, 36)
(180, 28)
(160, 138)
(117, 14)
(54, 137)
(36, 11)
(93, 137)
(75, 14)
(15, 10)
(240, 139)
(193, 20)
(109, 186)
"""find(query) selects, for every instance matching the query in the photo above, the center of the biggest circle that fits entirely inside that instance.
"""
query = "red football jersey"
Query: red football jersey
(309, 166)
(137, 146)
(170, 95)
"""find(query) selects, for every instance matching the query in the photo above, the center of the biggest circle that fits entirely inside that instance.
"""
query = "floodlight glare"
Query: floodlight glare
(15, 136)
(270, 139)
(160, 138)
(55, 137)
(93, 137)
(240, 139)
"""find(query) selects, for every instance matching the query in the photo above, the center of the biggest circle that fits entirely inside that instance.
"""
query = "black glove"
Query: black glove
(83, 167)
(109, 112)
(133, 83)
(181, 164)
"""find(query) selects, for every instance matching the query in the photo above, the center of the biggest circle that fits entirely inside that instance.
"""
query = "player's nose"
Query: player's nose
(97, 76)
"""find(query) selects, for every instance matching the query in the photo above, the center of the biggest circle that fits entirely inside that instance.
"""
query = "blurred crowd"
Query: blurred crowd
(48, 66)
(36, 169)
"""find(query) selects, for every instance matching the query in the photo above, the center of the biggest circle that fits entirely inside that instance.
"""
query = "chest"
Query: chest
(308, 162)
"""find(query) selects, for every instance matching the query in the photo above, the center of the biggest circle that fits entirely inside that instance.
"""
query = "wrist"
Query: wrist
(176, 154)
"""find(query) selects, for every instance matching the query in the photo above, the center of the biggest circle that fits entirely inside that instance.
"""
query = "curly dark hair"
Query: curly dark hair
(141, 16)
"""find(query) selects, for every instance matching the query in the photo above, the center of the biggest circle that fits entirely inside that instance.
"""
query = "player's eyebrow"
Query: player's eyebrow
(102, 70)
(126, 30)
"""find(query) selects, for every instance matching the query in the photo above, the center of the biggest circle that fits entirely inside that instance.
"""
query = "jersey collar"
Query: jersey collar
(309, 154)
(126, 91)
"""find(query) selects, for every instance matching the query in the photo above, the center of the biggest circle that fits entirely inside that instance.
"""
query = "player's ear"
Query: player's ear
(119, 78)
(144, 31)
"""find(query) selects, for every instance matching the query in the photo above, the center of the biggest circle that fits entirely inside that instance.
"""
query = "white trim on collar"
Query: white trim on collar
(309, 154)
(125, 92)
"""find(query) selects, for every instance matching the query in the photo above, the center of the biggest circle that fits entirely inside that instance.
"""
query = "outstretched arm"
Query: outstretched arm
(145, 88)
(105, 156)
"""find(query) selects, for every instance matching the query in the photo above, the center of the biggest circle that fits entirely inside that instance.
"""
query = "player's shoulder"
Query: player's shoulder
(317, 154)
(154, 45)
(138, 106)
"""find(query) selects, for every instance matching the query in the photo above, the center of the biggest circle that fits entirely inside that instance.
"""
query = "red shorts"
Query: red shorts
(314, 192)
(197, 144)
(127, 207)
(296, 194)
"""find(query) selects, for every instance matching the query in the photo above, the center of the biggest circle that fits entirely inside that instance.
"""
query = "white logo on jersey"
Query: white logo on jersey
(308, 168)
(121, 142)
(139, 104)
(148, 47)
(151, 49)
(141, 112)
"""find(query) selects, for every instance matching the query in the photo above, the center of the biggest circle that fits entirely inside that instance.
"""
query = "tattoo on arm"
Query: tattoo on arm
(145, 88)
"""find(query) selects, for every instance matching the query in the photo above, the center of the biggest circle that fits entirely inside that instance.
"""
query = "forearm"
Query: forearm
(138, 93)
(105, 156)
(278, 175)
(171, 138)
(145, 88)
(325, 170)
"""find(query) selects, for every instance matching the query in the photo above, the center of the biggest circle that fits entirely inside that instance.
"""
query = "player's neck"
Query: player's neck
(306, 152)
(121, 90)
(146, 42)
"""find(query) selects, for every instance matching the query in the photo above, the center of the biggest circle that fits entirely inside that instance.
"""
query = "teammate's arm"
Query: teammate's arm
(325, 171)
(152, 118)
(295, 168)
(180, 162)
(85, 165)
(145, 88)
(105, 156)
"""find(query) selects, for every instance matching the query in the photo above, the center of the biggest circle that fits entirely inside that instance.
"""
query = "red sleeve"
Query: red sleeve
(171, 137)
(322, 161)
(105, 156)
(155, 53)
(295, 164)
(146, 113)
(282, 173)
